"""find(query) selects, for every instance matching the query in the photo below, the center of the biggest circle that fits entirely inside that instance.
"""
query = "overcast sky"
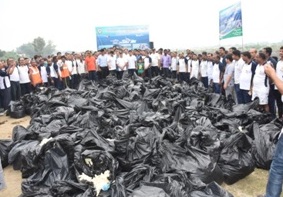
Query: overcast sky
(175, 24)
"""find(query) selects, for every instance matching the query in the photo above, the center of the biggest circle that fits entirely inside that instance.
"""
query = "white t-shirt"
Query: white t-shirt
(259, 80)
(121, 62)
(195, 69)
(15, 76)
(146, 62)
(246, 76)
(279, 71)
(238, 69)
(174, 62)
(24, 76)
(43, 74)
(203, 68)
(216, 73)
(53, 72)
(132, 62)
(74, 67)
(111, 61)
(182, 65)
(210, 69)
(69, 65)
(154, 59)
(81, 66)
(189, 65)
(7, 82)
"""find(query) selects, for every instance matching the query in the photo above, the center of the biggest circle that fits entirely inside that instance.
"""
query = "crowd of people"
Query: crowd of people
(233, 73)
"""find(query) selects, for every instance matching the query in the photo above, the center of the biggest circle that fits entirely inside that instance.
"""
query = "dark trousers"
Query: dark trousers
(174, 74)
(5, 98)
(183, 76)
(74, 81)
(239, 94)
(65, 82)
(148, 73)
(56, 83)
(15, 90)
(155, 71)
(131, 72)
(245, 96)
(166, 72)
(25, 88)
(279, 102)
(120, 74)
(271, 101)
(92, 75)
(113, 73)
(104, 72)
(217, 88)
(204, 80)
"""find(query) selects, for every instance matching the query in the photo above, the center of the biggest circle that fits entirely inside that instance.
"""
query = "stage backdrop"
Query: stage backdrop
(131, 37)
(230, 22)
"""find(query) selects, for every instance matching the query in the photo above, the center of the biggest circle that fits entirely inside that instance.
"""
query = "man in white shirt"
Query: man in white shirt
(210, 69)
(111, 62)
(155, 64)
(5, 87)
(238, 63)
(204, 69)
(229, 77)
(102, 64)
(277, 94)
(121, 65)
(24, 78)
(147, 65)
(132, 63)
(15, 79)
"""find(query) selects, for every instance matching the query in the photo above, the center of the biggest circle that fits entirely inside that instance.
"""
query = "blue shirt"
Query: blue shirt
(102, 61)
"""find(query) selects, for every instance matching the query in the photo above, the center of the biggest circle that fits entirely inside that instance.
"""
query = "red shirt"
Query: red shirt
(90, 63)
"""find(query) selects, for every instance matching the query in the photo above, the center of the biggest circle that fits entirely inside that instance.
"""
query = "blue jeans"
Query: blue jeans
(204, 80)
(275, 179)
(217, 89)
(239, 95)
(246, 97)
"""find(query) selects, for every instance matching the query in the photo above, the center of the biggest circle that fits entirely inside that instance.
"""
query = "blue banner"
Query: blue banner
(230, 22)
(131, 37)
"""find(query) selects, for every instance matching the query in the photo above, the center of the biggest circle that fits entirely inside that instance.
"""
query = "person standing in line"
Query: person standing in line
(132, 64)
(90, 63)
(204, 69)
(34, 75)
(239, 63)
(271, 96)
(253, 53)
(15, 79)
(189, 60)
(111, 62)
(260, 86)
(5, 86)
(229, 77)
(147, 65)
(195, 67)
(275, 178)
(277, 94)
(210, 69)
(43, 71)
(24, 77)
(74, 73)
(81, 67)
(121, 65)
(216, 75)
(155, 58)
(182, 68)
(174, 65)
(166, 63)
(65, 73)
(102, 64)
(246, 77)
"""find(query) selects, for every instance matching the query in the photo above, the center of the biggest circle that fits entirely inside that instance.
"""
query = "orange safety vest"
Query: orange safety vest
(65, 71)
(35, 76)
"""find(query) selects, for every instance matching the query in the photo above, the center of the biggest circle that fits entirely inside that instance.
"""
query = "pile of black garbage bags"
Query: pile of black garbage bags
(156, 138)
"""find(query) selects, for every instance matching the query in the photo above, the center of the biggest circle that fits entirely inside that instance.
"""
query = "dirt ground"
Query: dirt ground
(251, 186)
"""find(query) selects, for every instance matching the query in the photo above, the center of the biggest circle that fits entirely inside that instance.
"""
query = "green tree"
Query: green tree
(38, 45)
(2, 53)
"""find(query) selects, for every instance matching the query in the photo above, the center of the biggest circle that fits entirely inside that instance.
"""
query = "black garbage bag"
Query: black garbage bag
(211, 190)
(16, 109)
(5, 147)
(54, 167)
(236, 160)
(191, 160)
(149, 191)
(264, 144)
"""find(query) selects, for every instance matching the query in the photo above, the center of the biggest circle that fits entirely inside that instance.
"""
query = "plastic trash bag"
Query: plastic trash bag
(236, 160)
(2, 182)
(149, 191)
(5, 146)
(16, 109)
(211, 190)
(264, 144)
